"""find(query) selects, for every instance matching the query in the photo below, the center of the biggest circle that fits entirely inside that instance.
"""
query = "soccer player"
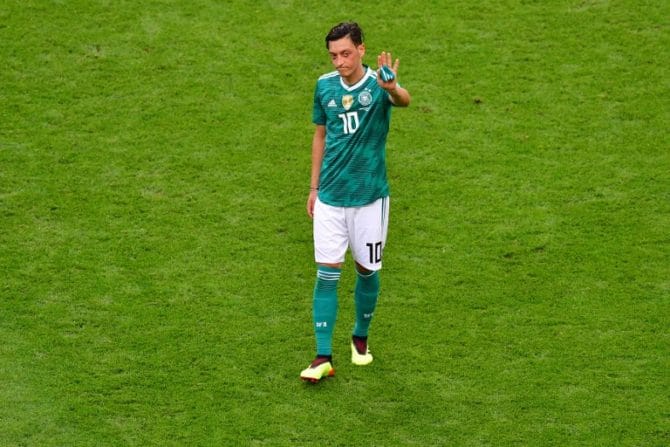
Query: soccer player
(349, 193)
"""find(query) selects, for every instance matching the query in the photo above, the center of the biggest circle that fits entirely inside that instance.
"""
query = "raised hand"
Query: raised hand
(385, 59)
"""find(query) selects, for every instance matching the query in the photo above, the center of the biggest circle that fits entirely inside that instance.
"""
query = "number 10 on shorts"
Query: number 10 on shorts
(375, 252)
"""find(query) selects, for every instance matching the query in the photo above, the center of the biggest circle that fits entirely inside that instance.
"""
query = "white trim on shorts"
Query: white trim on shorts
(361, 229)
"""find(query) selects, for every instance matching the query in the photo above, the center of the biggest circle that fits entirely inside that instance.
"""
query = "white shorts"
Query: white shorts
(362, 229)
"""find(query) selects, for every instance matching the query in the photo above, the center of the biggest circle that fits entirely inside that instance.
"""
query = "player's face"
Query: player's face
(346, 57)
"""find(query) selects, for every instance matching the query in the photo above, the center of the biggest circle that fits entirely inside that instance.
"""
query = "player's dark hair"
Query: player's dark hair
(345, 29)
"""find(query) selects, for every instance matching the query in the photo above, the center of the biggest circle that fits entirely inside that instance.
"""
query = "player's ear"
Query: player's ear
(361, 49)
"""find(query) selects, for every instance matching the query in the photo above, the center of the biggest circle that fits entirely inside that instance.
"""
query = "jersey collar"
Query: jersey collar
(368, 73)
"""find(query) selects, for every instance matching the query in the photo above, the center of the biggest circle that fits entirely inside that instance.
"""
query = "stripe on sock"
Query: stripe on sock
(328, 276)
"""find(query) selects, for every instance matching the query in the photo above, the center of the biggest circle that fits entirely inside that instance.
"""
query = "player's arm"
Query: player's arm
(318, 146)
(399, 96)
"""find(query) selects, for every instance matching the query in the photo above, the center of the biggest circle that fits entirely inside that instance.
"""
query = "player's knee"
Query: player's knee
(363, 271)
(332, 266)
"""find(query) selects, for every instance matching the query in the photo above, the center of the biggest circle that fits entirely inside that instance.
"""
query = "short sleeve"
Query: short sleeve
(318, 114)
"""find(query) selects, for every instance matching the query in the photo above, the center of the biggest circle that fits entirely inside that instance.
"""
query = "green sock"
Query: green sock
(365, 295)
(325, 308)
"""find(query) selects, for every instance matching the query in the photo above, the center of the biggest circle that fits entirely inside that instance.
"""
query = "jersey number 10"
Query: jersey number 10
(349, 122)
(375, 252)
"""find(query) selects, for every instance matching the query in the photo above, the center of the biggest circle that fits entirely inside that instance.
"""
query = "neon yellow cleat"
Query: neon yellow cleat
(360, 355)
(314, 373)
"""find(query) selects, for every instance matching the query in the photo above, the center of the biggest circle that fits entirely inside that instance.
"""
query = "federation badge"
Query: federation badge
(365, 98)
(347, 101)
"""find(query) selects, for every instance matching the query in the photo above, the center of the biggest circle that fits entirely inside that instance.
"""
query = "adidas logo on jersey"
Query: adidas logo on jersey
(332, 103)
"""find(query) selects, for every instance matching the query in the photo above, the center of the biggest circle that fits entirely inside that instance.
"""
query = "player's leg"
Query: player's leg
(324, 309)
(365, 296)
(370, 227)
(365, 299)
(330, 245)
(324, 313)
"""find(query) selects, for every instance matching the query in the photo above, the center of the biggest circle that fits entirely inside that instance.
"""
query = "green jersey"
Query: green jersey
(357, 118)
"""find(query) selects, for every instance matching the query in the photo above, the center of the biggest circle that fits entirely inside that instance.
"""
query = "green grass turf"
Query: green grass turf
(156, 260)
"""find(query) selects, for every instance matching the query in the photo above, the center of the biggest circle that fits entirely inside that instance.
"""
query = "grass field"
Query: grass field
(156, 260)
